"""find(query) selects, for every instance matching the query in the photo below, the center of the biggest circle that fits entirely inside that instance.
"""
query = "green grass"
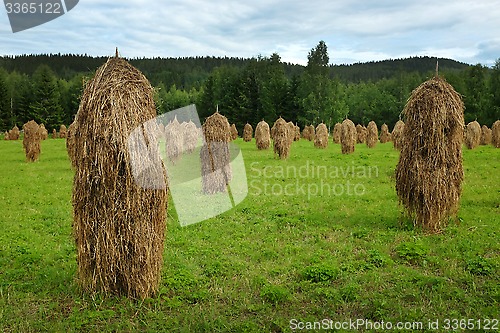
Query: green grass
(278, 256)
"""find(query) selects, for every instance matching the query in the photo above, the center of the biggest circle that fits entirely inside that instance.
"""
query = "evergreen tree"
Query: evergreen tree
(46, 107)
(5, 109)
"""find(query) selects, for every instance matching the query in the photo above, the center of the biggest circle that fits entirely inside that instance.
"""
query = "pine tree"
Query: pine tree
(46, 106)
(5, 111)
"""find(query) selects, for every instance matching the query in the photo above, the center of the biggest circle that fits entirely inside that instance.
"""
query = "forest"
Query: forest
(47, 87)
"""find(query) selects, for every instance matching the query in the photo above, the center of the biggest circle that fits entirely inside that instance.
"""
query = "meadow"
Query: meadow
(319, 237)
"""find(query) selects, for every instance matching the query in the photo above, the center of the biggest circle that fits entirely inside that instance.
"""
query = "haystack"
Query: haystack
(321, 137)
(14, 133)
(397, 134)
(337, 132)
(43, 132)
(371, 134)
(247, 132)
(429, 173)
(361, 133)
(281, 140)
(119, 226)
(262, 135)
(54, 134)
(385, 136)
(485, 135)
(62, 131)
(174, 140)
(495, 134)
(6, 135)
(309, 132)
(297, 133)
(31, 140)
(348, 136)
(234, 132)
(215, 155)
(473, 135)
(190, 136)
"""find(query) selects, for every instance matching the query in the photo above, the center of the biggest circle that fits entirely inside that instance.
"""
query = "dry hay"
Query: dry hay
(43, 132)
(321, 137)
(495, 134)
(371, 134)
(54, 134)
(361, 133)
(397, 134)
(174, 140)
(429, 173)
(348, 136)
(14, 133)
(385, 136)
(70, 144)
(262, 135)
(6, 135)
(337, 132)
(297, 133)
(472, 135)
(234, 132)
(119, 219)
(485, 135)
(215, 155)
(190, 136)
(281, 138)
(309, 132)
(31, 140)
(247, 132)
(63, 131)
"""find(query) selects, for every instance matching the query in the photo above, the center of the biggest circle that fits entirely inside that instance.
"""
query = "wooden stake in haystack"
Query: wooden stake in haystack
(397, 134)
(215, 155)
(371, 134)
(31, 140)
(429, 173)
(321, 137)
(348, 136)
(119, 226)
(472, 135)
(262, 136)
(280, 133)
(247, 132)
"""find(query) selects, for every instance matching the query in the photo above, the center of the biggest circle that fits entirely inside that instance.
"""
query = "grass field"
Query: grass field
(320, 236)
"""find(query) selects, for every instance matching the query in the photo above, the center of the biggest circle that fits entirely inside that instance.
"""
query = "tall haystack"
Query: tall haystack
(397, 134)
(54, 133)
(485, 135)
(190, 136)
(291, 132)
(429, 173)
(119, 219)
(62, 131)
(297, 133)
(280, 133)
(361, 133)
(321, 137)
(234, 132)
(31, 140)
(262, 135)
(247, 132)
(371, 134)
(14, 133)
(472, 135)
(337, 132)
(348, 136)
(174, 140)
(495, 134)
(43, 132)
(385, 136)
(215, 155)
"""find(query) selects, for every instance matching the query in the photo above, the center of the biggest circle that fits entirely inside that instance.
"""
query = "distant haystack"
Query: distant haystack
(54, 134)
(495, 134)
(321, 137)
(385, 136)
(361, 133)
(486, 134)
(6, 135)
(371, 134)
(297, 133)
(473, 135)
(190, 136)
(348, 136)
(31, 140)
(234, 132)
(280, 133)
(262, 135)
(43, 132)
(397, 134)
(62, 131)
(308, 132)
(337, 132)
(174, 140)
(247, 132)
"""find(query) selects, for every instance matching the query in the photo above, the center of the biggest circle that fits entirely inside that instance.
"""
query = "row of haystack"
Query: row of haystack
(179, 138)
(14, 133)
(309, 132)
(476, 135)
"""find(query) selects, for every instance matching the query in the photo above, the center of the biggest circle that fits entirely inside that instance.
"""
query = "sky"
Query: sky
(354, 31)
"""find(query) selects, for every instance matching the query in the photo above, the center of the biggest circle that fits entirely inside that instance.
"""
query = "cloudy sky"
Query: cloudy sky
(354, 30)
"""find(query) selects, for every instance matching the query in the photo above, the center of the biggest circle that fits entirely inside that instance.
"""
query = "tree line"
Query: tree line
(47, 88)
